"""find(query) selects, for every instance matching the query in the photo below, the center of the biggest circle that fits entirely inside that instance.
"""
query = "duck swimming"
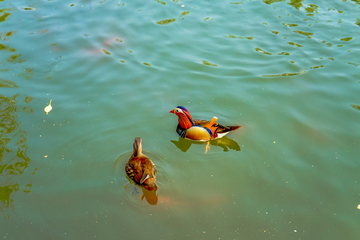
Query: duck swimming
(140, 168)
(198, 129)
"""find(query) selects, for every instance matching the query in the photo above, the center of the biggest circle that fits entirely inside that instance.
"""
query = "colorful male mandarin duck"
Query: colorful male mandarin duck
(199, 130)
(140, 168)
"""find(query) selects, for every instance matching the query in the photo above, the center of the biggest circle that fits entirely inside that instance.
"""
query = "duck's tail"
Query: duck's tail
(226, 129)
(137, 147)
(223, 130)
(232, 128)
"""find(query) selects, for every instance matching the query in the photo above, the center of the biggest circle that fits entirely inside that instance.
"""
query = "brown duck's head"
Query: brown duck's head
(137, 146)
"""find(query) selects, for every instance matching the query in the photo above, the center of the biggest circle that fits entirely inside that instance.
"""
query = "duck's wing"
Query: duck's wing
(201, 122)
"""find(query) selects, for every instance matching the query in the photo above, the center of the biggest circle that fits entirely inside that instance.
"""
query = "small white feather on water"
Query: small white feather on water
(48, 108)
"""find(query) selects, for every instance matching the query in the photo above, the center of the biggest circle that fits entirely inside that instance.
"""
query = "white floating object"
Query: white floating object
(182, 5)
(48, 108)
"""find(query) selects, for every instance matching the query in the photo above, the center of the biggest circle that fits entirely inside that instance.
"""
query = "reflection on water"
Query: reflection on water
(13, 157)
(150, 196)
(6, 193)
(310, 28)
(224, 142)
(276, 64)
(4, 13)
(357, 107)
(6, 35)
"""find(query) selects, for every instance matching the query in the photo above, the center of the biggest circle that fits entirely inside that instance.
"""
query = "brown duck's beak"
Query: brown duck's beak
(172, 111)
(144, 177)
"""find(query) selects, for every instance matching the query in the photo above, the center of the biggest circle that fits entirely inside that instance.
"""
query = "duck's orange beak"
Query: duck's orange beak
(172, 111)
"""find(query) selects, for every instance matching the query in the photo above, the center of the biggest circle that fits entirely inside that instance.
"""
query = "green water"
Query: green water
(287, 71)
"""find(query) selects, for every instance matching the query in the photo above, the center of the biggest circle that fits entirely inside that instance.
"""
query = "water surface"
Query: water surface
(286, 71)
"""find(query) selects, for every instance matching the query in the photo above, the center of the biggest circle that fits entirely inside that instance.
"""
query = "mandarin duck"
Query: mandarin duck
(140, 168)
(199, 130)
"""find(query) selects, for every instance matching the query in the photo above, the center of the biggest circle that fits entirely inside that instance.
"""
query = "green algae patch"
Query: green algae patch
(316, 67)
(161, 2)
(166, 21)
(296, 4)
(295, 44)
(327, 43)
(312, 8)
(15, 59)
(357, 107)
(3, 47)
(290, 24)
(5, 15)
(285, 74)
(28, 99)
(106, 52)
(272, 1)
(346, 39)
(357, 22)
(232, 36)
(6, 35)
(259, 50)
(355, 64)
(209, 64)
(7, 84)
(308, 34)
(184, 13)
(283, 53)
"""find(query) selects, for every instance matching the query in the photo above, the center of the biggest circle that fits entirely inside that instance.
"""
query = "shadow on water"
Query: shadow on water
(224, 142)
(13, 157)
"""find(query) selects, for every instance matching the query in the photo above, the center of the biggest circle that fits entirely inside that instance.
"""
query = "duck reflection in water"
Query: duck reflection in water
(141, 170)
(224, 142)
(150, 196)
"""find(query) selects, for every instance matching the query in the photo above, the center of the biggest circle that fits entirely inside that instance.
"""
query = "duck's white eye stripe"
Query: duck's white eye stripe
(179, 110)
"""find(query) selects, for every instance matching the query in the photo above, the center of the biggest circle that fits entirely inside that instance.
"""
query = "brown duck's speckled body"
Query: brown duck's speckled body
(140, 168)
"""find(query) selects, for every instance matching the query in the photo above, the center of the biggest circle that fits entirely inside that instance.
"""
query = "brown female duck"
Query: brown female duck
(140, 168)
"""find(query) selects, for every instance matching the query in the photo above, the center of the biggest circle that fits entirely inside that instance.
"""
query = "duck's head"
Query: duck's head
(185, 120)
